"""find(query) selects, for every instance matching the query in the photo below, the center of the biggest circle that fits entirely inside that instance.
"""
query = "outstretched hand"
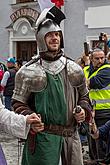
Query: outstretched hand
(93, 129)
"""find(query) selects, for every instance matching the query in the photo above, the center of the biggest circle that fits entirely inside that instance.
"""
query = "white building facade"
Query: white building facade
(85, 19)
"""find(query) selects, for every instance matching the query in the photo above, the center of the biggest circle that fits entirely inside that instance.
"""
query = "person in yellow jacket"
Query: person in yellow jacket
(98, 81)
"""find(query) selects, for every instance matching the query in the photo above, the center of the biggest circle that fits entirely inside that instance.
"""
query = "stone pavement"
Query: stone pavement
(10, 147)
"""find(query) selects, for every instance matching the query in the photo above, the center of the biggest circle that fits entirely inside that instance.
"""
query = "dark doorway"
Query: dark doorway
(26, 49)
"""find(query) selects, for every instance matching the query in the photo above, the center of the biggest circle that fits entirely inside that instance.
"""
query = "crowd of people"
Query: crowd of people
(98, 81)
(96, 66)
(52, 96)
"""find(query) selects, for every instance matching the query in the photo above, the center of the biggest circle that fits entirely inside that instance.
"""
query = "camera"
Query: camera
(86, 48)
(101, 36)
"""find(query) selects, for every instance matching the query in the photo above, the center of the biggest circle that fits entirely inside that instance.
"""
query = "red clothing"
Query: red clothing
(1, 76)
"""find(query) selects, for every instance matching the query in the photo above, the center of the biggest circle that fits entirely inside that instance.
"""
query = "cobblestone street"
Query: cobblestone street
(10, 147)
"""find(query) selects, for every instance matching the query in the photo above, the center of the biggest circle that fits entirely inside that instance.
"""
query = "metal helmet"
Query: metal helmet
(48, 21)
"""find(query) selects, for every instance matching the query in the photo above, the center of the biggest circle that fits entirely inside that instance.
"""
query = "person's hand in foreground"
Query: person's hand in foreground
(36, 123)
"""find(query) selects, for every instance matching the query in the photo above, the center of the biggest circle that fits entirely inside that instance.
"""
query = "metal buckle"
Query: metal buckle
(67, 133)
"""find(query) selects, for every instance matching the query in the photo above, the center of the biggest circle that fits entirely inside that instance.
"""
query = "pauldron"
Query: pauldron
(75, 73)
(29, 79)
(76, 77)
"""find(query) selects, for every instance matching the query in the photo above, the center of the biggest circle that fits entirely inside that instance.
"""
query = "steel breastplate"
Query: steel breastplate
(54, 67)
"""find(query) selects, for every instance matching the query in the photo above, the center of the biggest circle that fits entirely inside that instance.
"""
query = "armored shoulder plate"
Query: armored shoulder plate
(75, 73)
(29, 79)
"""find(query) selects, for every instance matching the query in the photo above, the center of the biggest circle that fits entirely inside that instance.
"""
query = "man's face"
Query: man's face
(52, 40)
(98, 59)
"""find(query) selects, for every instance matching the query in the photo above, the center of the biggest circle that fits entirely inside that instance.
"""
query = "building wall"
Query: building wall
(7, 7)
(5, 11)
(75, 30)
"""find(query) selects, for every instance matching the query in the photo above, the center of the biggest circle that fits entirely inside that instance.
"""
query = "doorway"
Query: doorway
(26, 49)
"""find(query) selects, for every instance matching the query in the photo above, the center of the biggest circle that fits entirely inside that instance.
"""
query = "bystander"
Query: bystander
(7, 82)
(98, 82)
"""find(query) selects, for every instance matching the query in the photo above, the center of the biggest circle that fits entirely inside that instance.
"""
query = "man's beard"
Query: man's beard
(51, 55)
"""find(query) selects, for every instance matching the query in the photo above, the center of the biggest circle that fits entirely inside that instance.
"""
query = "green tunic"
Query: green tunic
(51, 104)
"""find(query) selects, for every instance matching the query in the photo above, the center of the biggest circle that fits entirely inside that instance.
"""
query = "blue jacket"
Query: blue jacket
(101, 80)
(104, 133)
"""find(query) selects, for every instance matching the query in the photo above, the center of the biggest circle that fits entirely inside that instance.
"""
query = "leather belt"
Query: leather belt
(65, 131)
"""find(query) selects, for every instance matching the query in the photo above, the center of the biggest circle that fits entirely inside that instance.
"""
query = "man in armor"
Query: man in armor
(52, 85)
